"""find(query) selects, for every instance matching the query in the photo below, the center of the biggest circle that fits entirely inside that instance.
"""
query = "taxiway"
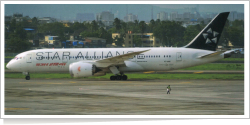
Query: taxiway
(131, 97)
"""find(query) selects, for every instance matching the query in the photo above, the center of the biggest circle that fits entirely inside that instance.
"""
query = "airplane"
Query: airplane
(88, 62)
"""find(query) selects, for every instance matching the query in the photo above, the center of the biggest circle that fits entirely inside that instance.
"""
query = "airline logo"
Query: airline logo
(210, 36)
(79, 68)
(50, 64)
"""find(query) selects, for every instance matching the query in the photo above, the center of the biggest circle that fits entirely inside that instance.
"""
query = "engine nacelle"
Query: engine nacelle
(80, 69)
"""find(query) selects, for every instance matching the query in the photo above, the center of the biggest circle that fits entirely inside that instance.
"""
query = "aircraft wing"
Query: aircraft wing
(121, 58)
(211, 54)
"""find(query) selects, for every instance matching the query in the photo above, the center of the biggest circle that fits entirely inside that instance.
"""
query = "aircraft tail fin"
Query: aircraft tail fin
(209, 37)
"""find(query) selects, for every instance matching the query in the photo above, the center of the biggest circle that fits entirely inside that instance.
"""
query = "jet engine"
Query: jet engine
(80, 69)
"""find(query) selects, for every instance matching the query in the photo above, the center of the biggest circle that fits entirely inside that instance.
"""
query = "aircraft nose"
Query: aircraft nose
(8, 65)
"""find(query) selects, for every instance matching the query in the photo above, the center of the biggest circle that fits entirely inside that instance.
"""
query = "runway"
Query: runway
(132, 97)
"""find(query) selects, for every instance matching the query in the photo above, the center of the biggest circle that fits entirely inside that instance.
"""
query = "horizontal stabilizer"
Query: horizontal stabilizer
(211, 54)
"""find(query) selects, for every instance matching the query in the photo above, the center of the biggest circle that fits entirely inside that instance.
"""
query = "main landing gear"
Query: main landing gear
(119, 77)
(115, 71)
(27, 75)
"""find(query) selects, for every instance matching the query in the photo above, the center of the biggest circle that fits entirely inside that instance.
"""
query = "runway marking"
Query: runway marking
(47, 83)
(217, 97)
(149, 72)
(23, 82)
(185, 82)
(72, 82)
(16, 108)
(125, 82)
(198, 72)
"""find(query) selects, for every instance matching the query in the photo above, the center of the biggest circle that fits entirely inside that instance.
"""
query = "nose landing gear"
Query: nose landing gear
(27, 75)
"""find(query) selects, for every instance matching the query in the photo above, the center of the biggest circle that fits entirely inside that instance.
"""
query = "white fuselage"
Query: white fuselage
(156, 59)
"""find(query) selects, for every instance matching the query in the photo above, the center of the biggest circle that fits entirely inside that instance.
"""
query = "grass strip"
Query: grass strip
(232, 59)
(132, 76)
(212, 66)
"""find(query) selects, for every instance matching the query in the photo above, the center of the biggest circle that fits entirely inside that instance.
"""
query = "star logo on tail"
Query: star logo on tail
(210, 36)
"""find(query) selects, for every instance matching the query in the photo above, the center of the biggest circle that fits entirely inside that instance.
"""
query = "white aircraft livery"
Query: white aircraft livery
(85, 62)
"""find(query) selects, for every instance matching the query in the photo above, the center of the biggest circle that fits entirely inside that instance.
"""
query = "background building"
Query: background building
(147, 39)
(130, 18)
(162, 16)
(94, 42)
(47, 20)
(173, 15)
(106, 17)
(81, 17)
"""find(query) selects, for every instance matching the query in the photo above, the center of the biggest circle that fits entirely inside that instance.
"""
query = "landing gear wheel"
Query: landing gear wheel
(124, 77)
(27, 77)
(112, 77)
(119, 77)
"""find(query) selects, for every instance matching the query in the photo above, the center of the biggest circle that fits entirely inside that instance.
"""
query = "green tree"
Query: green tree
(89, 34)
(105, 35)
(142, 26)
(233, 32)
(117, 24)
(94, 26)
(190, 33)
(35, 22)
(137, 41)
(170, 33)
(238, 23)
(119, 41)
(18, 41)
(236, 37)
(17, 45)
(151, 25)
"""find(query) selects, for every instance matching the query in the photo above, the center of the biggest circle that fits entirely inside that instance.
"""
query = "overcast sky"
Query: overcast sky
(69, 11)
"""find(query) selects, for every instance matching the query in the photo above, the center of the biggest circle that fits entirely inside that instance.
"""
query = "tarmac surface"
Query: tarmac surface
(172, 72)
(131, 97)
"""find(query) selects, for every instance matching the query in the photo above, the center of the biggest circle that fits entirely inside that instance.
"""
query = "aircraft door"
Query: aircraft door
(29, 58)
(65, 58)
(133, 59)
(178, 56)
